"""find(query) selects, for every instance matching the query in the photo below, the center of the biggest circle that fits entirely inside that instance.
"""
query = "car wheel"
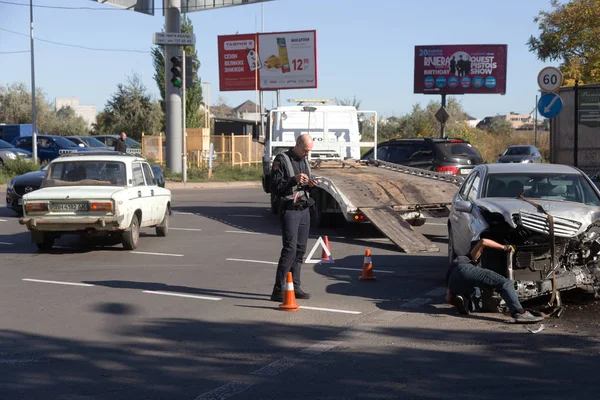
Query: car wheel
(47, 243)
(451, 253)
(132, 235)
(163, 229)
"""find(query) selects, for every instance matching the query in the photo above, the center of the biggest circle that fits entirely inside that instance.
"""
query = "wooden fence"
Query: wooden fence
(233, 150)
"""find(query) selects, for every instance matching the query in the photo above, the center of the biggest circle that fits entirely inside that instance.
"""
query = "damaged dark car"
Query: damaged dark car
(549, 213)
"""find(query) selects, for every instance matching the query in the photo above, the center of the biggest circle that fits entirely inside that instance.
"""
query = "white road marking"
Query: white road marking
(330, 310)
(246, 215)
(7, 243)
(360, 269)
(416, 303)
(191, 296)
(250, 233)
(156, 254)
(435, 223)
(58, 282)
(2, 220)
(186, 229)
(252, 261)
(183, 213)
(436, 292)
(226, 391)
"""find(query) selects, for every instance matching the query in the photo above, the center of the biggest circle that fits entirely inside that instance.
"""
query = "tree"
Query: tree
(194, 115)
(499, 126)
(569, 34)
(349, 102)
(15, 108)
(131, 110)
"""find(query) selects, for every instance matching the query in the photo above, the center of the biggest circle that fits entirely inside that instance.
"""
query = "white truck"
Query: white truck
(391, 196)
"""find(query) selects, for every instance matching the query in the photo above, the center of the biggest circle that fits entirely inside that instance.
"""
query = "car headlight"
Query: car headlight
(526, 160)
(10, 184)
(11, 155)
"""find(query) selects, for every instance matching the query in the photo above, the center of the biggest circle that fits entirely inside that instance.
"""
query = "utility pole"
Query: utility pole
(183, 122)
(262, 98)
(172, 93)
(535, 127)
(33, 105)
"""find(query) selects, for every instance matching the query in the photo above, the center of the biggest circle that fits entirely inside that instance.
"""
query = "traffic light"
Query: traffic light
(191, 73)
(177, 70)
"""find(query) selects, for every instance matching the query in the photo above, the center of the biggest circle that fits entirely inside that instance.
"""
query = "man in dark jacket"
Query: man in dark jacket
(290, 182)
(464, 276)
(121, 145)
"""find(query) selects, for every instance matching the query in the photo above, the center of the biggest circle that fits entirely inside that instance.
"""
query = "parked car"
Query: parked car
(106, 195)
(133, 147)
(49, 146)
(31, 181)
(451, 156)
(22, 184)
(10, 152)
(520, 154)
(489, 204)
(89, 141)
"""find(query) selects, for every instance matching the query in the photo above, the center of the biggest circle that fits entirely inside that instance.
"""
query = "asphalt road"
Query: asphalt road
(189, 317)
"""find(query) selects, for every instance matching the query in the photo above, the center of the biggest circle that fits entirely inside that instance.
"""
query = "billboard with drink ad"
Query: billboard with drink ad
(460, 69)
(268, 61)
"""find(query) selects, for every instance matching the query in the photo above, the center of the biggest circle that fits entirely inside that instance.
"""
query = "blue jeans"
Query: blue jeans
(464, 278)
(295, 225)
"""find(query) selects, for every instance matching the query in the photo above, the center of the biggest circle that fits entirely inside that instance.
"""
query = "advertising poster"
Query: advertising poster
(589, 107)
(460, 69)
(268, 61)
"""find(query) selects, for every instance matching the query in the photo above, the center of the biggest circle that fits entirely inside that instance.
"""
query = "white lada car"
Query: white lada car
(103, 194)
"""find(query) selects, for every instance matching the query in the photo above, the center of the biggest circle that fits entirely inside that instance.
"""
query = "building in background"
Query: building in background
(88, 113)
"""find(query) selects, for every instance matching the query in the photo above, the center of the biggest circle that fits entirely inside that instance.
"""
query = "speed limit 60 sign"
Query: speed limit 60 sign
(550, 79)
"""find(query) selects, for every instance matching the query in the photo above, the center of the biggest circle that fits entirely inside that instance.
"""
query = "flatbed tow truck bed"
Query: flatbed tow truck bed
(385, 193)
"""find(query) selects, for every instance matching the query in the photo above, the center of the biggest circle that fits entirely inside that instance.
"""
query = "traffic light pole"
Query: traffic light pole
(183, 134)
(172, 93)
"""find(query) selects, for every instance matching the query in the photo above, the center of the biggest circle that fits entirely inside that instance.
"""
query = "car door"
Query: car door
(158, 209)
(142, 197)
(47, 149)
(463, 223)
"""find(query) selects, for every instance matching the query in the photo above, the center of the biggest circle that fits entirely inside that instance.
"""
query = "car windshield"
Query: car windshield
(93, 142)
(77, 173)
(132, 144)
(546, 186)
(62, 142)
(5, 145)
(517, 151)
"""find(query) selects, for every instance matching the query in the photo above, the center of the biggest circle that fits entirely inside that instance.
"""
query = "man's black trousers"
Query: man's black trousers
(295, 225)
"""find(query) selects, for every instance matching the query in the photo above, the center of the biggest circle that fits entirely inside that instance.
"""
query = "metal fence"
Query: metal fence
(233, 150)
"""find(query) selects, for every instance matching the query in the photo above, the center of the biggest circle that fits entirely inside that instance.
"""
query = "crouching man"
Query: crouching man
(466, 275)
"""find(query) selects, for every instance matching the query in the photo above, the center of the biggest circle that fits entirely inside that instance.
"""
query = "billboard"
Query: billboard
(200, 5)
(143, 6)
(268, 61)
(460, 69)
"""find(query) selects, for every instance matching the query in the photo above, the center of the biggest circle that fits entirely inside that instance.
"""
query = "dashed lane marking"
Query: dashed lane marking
(359, 269)
(183, 213)
(249, 233)
(156, 254)
(7, 243)
(252, 261)
(330, 310)
(58, 282)
(246, 215)
(191, 296)
(3, 220)
(186, 229)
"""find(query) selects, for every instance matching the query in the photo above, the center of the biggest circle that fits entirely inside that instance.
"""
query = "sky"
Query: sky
(365, 48)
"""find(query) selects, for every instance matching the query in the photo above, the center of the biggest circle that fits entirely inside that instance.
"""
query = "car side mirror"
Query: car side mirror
(464, 206)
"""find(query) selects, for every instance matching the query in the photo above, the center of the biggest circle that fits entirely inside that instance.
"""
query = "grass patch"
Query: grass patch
(220, 173)
(11, 168)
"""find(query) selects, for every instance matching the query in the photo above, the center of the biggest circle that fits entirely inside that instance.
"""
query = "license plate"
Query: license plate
(20, 202)
(70, 207)
(465, 171)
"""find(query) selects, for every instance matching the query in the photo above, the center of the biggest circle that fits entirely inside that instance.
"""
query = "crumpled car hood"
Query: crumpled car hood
(575, 217)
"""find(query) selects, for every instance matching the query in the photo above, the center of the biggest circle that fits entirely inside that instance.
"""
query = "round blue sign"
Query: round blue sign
(490, 82)
(453, 82)
(465, 81)
(477, 81)
(440, 81)
(549, 105)
(429, 82)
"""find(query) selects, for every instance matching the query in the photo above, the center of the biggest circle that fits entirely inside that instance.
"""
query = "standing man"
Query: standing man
(121, 145)
(290, 182)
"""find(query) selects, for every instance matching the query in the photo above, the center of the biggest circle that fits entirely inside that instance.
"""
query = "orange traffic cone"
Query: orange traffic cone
(289, 297)
(326, 259)
(367, 273)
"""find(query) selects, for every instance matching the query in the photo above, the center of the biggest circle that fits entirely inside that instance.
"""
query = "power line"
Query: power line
(156, 8)
(76, 45)
(14, 52)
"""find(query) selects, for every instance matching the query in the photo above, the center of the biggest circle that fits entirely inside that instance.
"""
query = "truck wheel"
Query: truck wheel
(163, 229)
(274, 204)
(46, 244)
(131, 236)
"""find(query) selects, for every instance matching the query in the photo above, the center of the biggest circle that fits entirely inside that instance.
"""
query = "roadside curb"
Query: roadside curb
(211, 185)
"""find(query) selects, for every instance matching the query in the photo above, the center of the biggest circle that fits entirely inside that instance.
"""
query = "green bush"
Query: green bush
(19, 166)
